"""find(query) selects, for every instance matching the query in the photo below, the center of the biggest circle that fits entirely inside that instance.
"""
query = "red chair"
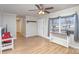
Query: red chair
(6, 35)
(6, 42)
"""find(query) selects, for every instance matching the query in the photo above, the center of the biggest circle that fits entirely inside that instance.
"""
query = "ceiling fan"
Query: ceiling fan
(42, 9)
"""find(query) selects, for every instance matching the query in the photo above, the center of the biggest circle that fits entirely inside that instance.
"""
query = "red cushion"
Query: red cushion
(5, 36)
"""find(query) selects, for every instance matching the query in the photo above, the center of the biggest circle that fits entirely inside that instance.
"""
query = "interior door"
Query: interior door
(40, 28)
(31, 28)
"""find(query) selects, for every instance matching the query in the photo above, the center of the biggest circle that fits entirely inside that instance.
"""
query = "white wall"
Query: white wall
(31, 28)
(43, 20)
(1, 19)
(10, 20)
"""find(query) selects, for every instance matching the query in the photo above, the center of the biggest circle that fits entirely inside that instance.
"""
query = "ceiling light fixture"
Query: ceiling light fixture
(41, 12)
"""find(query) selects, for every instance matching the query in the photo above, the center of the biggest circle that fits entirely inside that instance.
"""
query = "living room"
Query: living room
(43, 28)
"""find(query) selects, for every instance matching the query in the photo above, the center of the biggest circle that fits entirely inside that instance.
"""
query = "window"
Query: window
(60, 25)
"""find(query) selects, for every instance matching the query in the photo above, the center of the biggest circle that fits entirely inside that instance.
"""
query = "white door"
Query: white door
(31, 29)
(40, 27)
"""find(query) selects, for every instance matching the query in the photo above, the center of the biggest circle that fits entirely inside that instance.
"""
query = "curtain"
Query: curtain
(76, 33)
(49, 26)
(50, 23)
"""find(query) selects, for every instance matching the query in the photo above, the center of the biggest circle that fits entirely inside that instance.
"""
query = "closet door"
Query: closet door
(31, 29)
(40, 27)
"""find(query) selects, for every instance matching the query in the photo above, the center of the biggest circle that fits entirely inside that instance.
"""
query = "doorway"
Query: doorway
(20, 26)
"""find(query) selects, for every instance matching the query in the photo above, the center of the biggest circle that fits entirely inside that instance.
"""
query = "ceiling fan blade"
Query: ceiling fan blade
(47, 12)
(41, 6)
(49, 8)
(33, 10)
(37, 6)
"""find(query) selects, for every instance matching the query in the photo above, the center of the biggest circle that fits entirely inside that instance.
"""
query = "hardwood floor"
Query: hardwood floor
(38, 45)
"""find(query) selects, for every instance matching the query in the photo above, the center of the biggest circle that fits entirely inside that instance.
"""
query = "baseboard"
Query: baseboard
(31, 36)
(44, 37)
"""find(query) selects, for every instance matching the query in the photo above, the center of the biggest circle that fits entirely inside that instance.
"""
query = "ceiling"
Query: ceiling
(22, 9)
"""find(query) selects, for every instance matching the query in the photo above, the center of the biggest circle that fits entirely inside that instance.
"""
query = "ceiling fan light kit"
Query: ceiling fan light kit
(42, 9)
(41, 12)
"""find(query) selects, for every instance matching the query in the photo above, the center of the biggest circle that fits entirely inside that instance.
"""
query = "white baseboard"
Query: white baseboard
(44, 37)
(31, 35)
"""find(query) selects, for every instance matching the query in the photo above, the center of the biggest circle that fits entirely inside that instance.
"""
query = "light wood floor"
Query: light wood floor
(38, 45)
